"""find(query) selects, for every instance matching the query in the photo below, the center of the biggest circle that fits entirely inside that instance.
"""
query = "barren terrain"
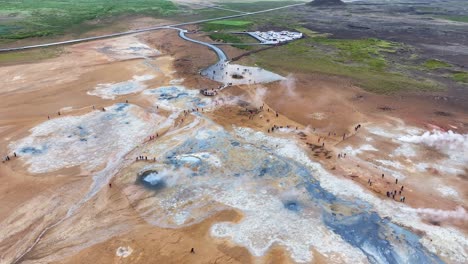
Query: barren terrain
(111, 155)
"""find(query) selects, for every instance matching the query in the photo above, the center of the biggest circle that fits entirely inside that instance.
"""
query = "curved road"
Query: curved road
(219, 52)
(73, 41)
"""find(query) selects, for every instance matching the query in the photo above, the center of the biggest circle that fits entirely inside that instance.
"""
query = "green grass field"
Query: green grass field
(29, 55)
(252, 6)
(456, 18)
(366, 52)
(356, 59)
(238, 25)
(36, 18)
(231, 38)
(436, 64)
(461, 77)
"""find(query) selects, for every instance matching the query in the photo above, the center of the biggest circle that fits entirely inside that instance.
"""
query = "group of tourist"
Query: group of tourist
(7, 157)
(144, 158)
(392, 193)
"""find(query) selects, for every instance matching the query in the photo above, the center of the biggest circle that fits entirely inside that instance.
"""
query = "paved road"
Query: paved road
(218, 7)
(73, 41)
(222, 57)
(242, 44)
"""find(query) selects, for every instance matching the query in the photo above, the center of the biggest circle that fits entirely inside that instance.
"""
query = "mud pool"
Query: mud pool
(112, 90)
(78, 140)
(281, 200)
(202, 168)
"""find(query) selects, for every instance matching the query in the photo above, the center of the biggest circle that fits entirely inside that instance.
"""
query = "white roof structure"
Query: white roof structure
(273, 37)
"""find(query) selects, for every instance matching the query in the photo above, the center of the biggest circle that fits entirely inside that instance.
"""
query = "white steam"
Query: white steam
(450, 143)
(259, 96)
(289, 86)
(441, 215)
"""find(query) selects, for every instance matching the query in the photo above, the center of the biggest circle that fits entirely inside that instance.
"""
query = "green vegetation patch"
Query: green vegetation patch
(257, 6)
(436, 64)
(29, 55)
(461, 77)
(305, 56)
(230, 38)
(310, 33)
(36, 18)
(226, 24)
(456, 18)
(235, 23)
(367, 52)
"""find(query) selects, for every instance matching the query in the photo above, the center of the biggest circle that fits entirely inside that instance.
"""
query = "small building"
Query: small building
(272, 37)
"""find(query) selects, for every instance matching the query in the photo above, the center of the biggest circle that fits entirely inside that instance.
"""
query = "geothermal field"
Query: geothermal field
(192, 143)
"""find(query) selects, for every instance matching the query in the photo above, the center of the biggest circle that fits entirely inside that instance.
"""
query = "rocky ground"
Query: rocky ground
(424, 26)
(120, 159)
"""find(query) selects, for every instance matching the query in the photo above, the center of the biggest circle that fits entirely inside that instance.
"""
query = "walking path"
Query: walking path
(219, 52)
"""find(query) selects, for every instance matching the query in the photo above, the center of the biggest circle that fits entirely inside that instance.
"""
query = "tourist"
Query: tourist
(396, 181)
(383, 175)
(192, 251)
